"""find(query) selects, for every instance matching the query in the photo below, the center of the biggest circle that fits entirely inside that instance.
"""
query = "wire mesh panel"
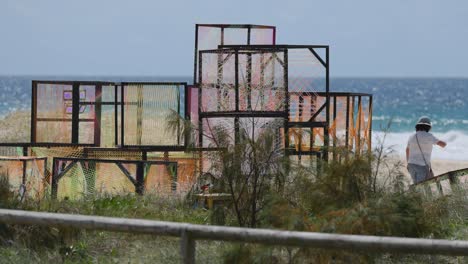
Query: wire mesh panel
(214, 128)
(11, 151)
(218, 91)
(25, 175)
(110, 116)
(147, 111)
(307, 69)
(53, 112)
(350, 120)
(261, 80)
(67, 112)
(247, 80)
(220, 132)
(77, 178)
(209, 36)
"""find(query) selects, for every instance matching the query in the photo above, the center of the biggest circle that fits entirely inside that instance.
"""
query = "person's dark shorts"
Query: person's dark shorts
(418, 173)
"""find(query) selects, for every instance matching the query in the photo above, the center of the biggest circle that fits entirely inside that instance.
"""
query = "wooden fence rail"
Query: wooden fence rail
(189, 233)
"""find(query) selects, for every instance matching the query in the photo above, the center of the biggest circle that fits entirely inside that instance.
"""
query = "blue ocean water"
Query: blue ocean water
(400, 101)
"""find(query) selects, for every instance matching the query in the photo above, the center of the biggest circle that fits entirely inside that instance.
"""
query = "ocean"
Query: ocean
(398, 101)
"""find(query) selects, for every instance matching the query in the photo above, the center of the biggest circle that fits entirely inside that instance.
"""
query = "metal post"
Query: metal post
(23, 180)
(370, 125)
(97, 115)
(54, 179)
(358, 143)
(286, 99)
(140, 178)
(301, 105)
(249, 74)
(179, 116)
(327, 106)
(122, 116)
(75, 113)
(195, 56)
(116, 116)
(187, 248)
(347, 124)
(335, 125)
(274, 36)
(139, 119)
(33, 112)
(236, 87)
(187, 110)
(200, 91)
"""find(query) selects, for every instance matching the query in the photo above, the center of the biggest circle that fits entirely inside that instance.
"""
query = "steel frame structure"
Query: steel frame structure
(123, 87)
(137, 180)
(119, 97)
(237, 49)
(76, 104)
(24, 161)
(354, 104)
(221, 41)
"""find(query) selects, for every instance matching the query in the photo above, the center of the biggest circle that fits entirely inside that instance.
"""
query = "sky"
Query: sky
(367, 38)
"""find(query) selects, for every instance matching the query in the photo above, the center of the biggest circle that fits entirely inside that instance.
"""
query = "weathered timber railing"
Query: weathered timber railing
(189, 233)
(453, 178)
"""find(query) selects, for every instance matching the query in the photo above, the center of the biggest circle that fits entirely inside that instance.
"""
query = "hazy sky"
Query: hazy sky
(400, 38)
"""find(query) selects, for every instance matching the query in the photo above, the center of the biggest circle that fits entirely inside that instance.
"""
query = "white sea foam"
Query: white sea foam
(456, 149)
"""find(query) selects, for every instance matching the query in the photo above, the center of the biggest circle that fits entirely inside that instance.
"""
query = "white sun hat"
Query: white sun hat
(424, 120)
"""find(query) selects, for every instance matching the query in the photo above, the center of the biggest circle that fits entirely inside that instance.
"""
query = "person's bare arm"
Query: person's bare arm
(407, 154)
(441, 143)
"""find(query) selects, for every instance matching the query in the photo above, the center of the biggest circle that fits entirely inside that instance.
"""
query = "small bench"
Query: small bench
(213, 199)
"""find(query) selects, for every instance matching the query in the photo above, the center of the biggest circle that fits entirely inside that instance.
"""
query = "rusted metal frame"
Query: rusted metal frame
(42, 144)
(56, 176)
(116, 115)
(237, 26)
(249, 74)
(370, 125)
(140, 178)
(122, 115)
(347, 123)
(75, 113)
(323, 94)
(139, 117)
(307, 124)
(286, 99)
(200, 93)
(301, 105)
(23, 180)
(34, 111)
(127, 173)
(318, 111)
(242, 114)
(360, 112)
(335, 138)
(279, 46)
(236, 84)
(279, 60)
(97, 115)
(324, 64)
(63, 120)
(262, 81)
(195, 57)
(327, 102)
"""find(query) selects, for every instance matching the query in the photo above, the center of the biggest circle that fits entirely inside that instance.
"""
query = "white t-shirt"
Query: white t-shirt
(426, 141)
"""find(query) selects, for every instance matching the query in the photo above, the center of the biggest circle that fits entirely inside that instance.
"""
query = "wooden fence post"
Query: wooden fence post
(187, 247)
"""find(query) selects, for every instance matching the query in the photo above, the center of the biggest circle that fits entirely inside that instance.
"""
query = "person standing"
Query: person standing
(419, 150)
